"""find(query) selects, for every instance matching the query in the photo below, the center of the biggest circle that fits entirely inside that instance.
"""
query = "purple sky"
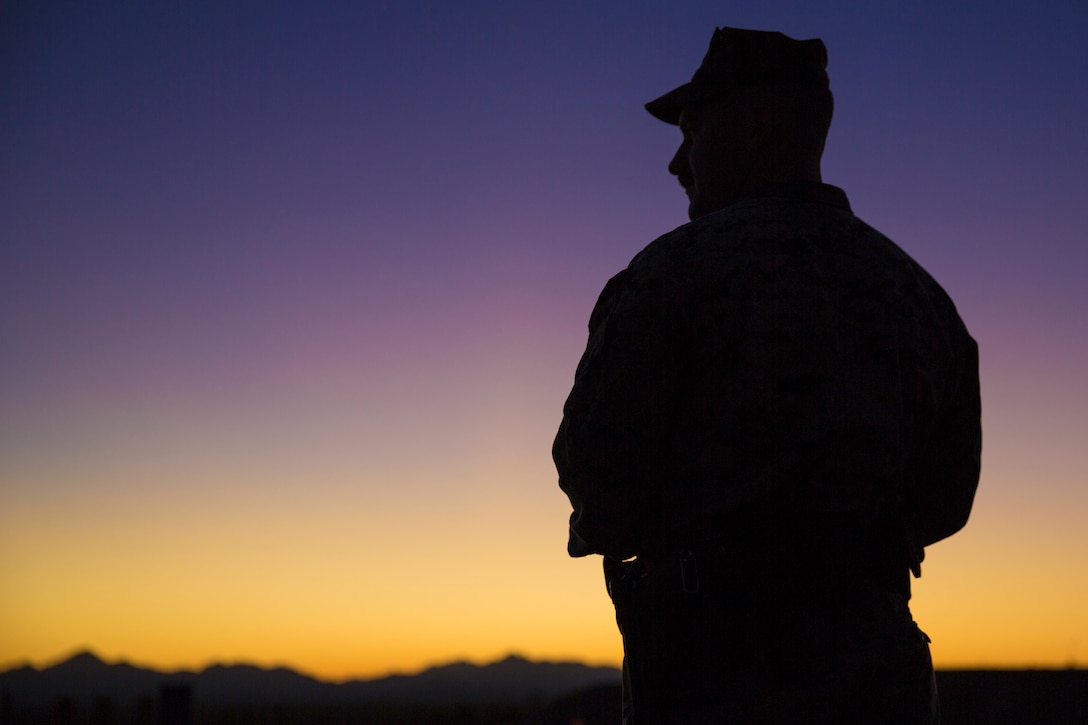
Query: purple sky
(260, 234)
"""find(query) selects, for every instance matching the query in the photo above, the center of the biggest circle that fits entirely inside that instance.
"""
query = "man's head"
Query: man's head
(756, 112)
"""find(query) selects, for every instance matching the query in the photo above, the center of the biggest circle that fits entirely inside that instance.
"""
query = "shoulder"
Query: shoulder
(774, 247)
(760, 235)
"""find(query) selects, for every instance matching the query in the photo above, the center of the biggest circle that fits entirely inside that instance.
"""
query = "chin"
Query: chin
(693, 207)
(700, 206)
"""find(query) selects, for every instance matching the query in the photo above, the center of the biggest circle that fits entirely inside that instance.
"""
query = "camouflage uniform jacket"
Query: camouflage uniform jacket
(778, 353)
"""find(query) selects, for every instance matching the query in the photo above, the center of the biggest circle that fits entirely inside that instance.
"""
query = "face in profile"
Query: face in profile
(714, 161)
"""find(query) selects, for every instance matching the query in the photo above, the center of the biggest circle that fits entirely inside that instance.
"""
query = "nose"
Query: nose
(678, 166)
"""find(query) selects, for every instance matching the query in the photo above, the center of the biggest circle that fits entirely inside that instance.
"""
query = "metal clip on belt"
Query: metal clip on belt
(689, 572)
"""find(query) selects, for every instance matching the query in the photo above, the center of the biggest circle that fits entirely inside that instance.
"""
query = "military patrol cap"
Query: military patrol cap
(746, 59)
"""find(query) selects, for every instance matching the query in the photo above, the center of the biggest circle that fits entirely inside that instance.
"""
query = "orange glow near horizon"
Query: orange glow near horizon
(342, 589)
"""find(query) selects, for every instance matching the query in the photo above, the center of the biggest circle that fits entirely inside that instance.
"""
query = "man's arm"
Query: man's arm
(611, 448)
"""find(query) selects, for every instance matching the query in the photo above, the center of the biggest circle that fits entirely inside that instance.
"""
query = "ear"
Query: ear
(762, 124)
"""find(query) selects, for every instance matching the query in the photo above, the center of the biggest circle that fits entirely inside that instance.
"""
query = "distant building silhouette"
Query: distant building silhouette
(145, 710)
(64, 710)
(104, 710)
(176, 704)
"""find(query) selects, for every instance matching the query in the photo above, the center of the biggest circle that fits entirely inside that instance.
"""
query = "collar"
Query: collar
(812, 191)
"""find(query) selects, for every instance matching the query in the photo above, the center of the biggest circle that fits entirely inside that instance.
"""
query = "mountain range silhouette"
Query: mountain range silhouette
(84, 677)
(534, 693)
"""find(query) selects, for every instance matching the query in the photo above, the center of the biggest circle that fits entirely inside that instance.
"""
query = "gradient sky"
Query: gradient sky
(291, 295)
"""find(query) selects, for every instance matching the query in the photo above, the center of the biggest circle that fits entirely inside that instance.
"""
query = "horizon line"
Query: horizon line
(76, 652)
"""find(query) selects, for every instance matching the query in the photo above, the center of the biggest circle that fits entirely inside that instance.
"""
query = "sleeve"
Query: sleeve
(943, 473)
(610, 450)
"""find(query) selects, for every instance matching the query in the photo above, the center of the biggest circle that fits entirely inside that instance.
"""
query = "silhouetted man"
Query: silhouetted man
(776, 411)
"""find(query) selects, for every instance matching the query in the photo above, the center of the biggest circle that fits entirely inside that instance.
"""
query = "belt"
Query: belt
(689, 570)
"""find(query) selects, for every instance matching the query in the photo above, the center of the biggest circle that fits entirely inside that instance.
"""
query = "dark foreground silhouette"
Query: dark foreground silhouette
(776, 412)
(84, 690)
